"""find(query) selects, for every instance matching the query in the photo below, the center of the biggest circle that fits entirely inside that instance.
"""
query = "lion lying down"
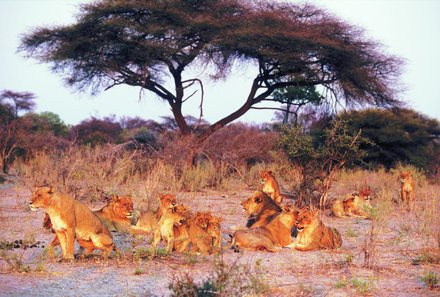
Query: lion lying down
(260, 208)
(270, 237)
(313, 234)
(353, 205)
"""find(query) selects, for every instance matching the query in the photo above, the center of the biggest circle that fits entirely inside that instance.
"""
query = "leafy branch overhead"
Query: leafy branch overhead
(147, 43)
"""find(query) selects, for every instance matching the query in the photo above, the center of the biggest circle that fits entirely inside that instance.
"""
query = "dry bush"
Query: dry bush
(84, 172)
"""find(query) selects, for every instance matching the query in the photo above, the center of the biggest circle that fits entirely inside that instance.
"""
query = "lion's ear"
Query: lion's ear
(51, 190)
(258, 199)
(269, 171)
(114, 198)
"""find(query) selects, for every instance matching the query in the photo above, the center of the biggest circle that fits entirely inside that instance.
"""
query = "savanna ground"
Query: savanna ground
(396, 254)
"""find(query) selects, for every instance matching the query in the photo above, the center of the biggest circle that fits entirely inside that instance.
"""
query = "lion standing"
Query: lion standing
(71, 218)
(407, 189)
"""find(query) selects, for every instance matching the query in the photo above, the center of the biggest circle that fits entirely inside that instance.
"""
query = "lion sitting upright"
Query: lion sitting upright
(71, 219)
(407, 189)
(148, 220)
(164, 230)
(313, 234)
(353, 205)
(270, 186)
(261, 209)
(201, 241)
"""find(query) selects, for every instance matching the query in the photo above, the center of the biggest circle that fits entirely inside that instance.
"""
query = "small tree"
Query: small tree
(319, 157)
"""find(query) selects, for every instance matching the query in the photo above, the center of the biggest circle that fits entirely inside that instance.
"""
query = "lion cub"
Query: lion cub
(164, 230)
(148, 220)
(270, 186)
(313, 234)
(215, 231)
(201, 241)
(70, 218)
(407, 189)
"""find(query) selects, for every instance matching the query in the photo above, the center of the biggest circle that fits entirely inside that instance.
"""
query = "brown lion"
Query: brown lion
(270, 186)
(407, 189)
(148, 220)
(70, 218)
(164, 230)
(270, 237)
(182, 242)
(313, 234)
(353, 205)
(260, 208)
(201, 241)
(167, 201)
(215, 231)
(117, 214)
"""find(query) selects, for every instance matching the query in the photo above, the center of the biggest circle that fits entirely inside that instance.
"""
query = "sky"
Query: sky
(409, 29)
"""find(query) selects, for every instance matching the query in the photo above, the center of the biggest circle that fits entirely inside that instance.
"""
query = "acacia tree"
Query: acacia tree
(141, 43)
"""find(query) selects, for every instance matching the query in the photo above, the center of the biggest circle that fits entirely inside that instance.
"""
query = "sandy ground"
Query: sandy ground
(287, 273)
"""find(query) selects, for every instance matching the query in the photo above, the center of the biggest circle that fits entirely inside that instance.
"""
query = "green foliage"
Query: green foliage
(319, 157)
(400, 135)
(143, 43)
(430, 279)
(226, 280)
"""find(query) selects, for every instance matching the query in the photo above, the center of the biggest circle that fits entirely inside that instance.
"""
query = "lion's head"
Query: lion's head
(306, 217)
(167, 201)
(405, 176)
(202, 219)
(258, 202)
(41, 197)
(266, 175)
(122, 206)
(181, 209)
(214, 227)
(289, 215)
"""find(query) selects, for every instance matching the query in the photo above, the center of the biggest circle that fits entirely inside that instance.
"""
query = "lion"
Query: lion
(148, 220)
(270, 237)
(270, 186)
(72, 219)
(164, 230)
(201, 241)
(353, 205)
(214, 230)
(117, 214)
(407, 189)
(313, 234)
(182, 242)
(167, 201)
(261, 209)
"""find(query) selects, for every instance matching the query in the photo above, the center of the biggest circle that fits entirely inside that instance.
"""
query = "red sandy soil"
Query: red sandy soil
(288, 273)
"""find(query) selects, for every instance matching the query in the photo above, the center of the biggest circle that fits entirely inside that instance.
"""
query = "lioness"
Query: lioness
(353, 205)
(261, 209)
(270, 186)
(270, 237)
(215, 231)
(70, 218)
(164, 230)
(201, 241)
(117, 214)
(313, 234)
(407, 189)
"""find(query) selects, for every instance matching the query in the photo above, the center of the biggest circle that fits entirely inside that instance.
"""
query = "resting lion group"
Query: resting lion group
(272, 223)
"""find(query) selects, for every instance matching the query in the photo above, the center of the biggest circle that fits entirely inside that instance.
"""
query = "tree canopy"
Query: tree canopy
(400, 135)
(148, 43)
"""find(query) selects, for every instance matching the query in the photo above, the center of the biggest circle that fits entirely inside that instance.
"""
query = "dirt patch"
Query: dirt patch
(287, 273)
